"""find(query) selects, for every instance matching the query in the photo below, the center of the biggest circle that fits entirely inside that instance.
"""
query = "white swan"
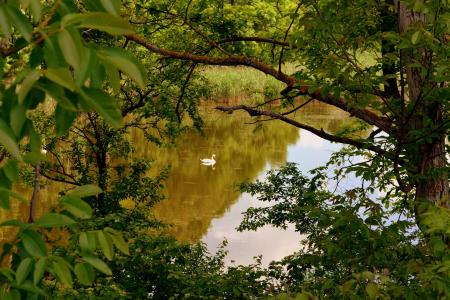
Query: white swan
(209, 161)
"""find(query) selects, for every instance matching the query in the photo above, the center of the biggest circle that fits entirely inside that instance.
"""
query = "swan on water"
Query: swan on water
(209, 161)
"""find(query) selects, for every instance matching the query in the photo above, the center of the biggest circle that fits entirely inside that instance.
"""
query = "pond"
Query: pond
(204, 204)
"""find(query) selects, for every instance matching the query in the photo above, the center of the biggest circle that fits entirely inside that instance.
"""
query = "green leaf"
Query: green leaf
(36, 57)
(39, 270)
(54, 220)
(18, 118)
(111, 6)
(71, 48)
(415, 37)
(118, 240)
(372, 290)
(32, 290)
(63, 119)
(113, 75)
(11, 170)
(8, 273)
(62, 271)
(302, 296)
(87, 242)
(77, 207)
(84, 273)
(61, 76)
(21, 22)
(13, 294)
(27, 84)
(33, 158)
(5, 28)
(98, 264)
(8, 140)
(85, 191)
(103, 104)
(87, 65)
(13, 223)
(23, 270)
(105, 244)
(106, 22)
(33, 243)
(35, 9)
(126, 63)
(4, 200)
(56, 92)
(52, 54)
(14, 194)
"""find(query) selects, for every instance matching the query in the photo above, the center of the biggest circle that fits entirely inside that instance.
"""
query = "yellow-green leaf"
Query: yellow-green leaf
(105, 244)
(106, 22)
(21, 22)
(39, 270)
(103, 104)
(5, 27)
(70, 48)
(33, 243)
(54, 220)
(8, 140)
(77, 207)
(84, 273)
(98, 264)
(87, 242)
(62, 271)
(61, 76)
(126, 63)
(111, 6)
(23, 270)
(85, 191)
(27, 84)
(415, 37)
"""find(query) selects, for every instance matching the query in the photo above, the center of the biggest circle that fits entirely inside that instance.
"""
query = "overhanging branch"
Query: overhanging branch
(319, 132)
(291, 81)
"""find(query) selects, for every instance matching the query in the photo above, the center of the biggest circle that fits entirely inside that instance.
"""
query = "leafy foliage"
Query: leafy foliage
(354, 246)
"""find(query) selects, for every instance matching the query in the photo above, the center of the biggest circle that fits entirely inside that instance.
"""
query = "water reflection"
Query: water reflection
(204, 204)
(196, 193)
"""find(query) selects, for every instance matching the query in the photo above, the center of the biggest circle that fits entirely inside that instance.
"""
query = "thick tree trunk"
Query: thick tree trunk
(431, 179)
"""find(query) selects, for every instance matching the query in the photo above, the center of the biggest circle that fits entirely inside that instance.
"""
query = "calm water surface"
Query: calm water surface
(204, 204)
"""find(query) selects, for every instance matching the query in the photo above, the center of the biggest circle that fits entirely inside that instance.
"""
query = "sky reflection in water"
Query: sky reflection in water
(204, 204)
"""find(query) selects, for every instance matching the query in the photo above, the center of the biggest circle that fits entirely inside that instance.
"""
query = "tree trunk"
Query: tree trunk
(431, 183)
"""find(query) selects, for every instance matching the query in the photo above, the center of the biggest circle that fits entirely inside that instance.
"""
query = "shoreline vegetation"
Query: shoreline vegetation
(233, 85)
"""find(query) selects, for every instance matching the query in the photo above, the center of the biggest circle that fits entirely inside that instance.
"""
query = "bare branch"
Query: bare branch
(58, 179)
(319, 132)
(258, 40)
(34, 196)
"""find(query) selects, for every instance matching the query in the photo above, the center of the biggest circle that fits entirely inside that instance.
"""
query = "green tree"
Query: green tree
(44, 56)
(384, 63)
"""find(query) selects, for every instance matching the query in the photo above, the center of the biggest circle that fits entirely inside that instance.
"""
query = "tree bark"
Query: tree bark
(431, 183)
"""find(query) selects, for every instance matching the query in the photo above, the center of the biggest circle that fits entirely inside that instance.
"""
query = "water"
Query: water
(203, 203)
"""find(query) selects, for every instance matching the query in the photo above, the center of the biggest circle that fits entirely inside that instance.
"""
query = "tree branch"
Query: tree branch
(291, 81)
(319, 132)
(258, 40)
(210, 60)
(34, 196)
(60, 179)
